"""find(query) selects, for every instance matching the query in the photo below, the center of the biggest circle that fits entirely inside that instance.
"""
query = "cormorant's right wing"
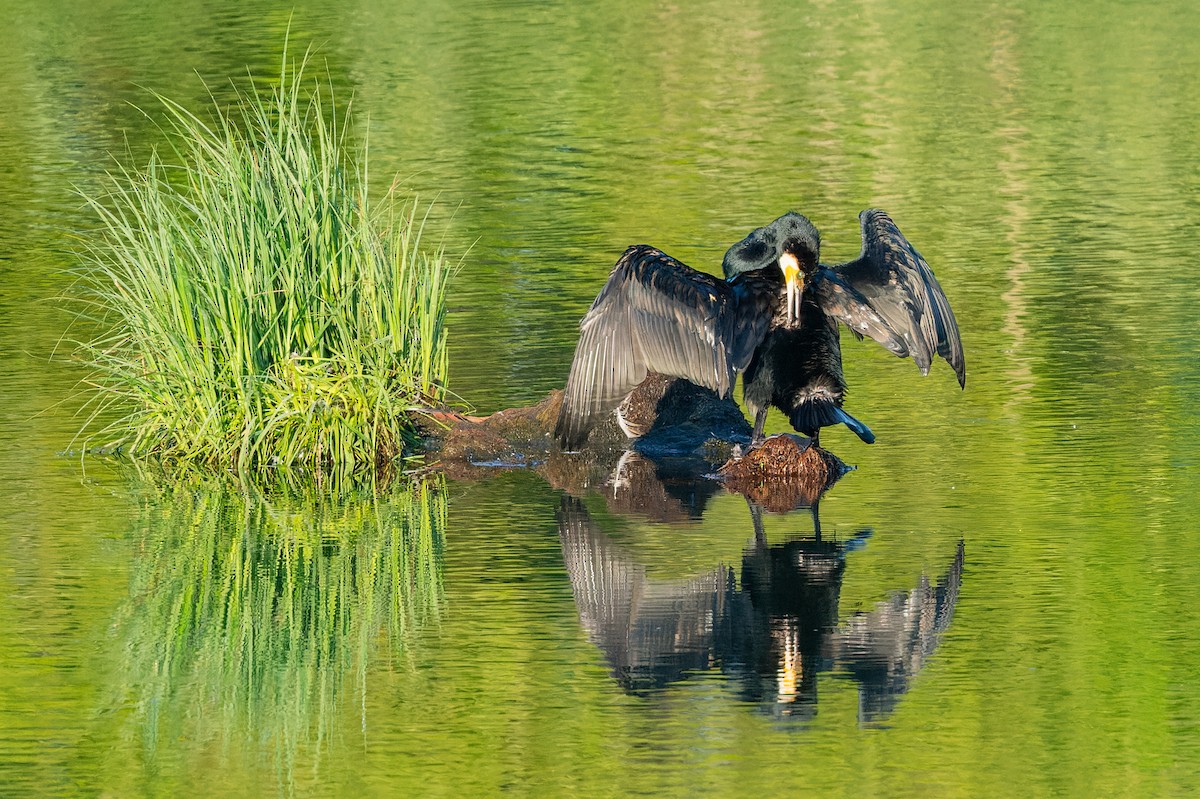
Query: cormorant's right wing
(656, 314)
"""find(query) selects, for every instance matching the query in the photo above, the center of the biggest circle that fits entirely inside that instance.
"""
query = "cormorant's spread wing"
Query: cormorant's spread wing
(656, 314)
(890, 294)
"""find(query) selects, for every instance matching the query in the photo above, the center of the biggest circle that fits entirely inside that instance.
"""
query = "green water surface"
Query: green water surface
(1004, 602)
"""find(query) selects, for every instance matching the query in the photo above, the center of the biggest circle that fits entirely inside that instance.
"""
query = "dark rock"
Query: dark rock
(681, 418)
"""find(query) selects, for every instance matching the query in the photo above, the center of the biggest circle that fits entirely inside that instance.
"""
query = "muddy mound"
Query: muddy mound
(783, 472)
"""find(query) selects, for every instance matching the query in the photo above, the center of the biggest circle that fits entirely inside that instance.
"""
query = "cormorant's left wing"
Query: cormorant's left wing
(890, 294)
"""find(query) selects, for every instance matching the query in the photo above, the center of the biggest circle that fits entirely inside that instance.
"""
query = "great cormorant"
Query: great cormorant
(774, 316)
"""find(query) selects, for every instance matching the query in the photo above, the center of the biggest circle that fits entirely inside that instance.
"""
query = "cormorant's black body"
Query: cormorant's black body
(775, 317)
(799, 371)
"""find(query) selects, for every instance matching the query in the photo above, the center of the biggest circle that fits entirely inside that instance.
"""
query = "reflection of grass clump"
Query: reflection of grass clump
(260, 311)
(255, 615)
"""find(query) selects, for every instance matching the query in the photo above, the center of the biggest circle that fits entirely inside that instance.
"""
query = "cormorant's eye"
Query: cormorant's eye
(754, 251)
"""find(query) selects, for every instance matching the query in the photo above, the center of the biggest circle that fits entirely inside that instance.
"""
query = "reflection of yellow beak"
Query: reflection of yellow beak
(795, 285)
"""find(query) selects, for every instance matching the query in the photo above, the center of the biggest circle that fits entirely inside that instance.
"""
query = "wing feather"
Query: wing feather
(890, 294)
(656, 314)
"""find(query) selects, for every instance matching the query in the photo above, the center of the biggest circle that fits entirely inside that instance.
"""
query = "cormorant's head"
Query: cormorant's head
(790, 247)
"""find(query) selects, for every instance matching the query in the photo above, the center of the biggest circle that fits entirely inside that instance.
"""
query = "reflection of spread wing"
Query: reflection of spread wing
(886, 648)
(890, 294)
(656, 314)
(652, 632)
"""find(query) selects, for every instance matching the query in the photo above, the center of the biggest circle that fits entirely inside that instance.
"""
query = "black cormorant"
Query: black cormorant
(774, 316)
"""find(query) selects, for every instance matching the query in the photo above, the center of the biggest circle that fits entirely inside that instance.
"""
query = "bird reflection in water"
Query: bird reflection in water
(774, 630)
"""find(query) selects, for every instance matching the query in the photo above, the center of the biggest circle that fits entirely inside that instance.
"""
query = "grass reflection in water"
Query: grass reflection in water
(252, 614)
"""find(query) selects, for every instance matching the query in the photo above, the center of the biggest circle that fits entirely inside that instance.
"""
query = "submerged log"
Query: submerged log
(676, 420)
(672, 418)
(514, 435)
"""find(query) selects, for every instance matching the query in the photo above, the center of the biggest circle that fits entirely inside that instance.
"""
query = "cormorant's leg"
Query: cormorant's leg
(760, 421)
(815, 439)
(760, 534)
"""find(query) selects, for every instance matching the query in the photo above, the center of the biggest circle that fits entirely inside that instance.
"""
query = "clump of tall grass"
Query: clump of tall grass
(260, 309)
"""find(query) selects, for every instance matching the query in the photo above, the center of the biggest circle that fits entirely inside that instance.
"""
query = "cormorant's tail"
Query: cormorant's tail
(860, 429)
(812, 415)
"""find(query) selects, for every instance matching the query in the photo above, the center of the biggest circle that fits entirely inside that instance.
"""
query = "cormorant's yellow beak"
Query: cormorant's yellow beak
(795, 284)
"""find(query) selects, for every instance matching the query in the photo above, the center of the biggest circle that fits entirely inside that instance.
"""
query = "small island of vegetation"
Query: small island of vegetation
(258, 309)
